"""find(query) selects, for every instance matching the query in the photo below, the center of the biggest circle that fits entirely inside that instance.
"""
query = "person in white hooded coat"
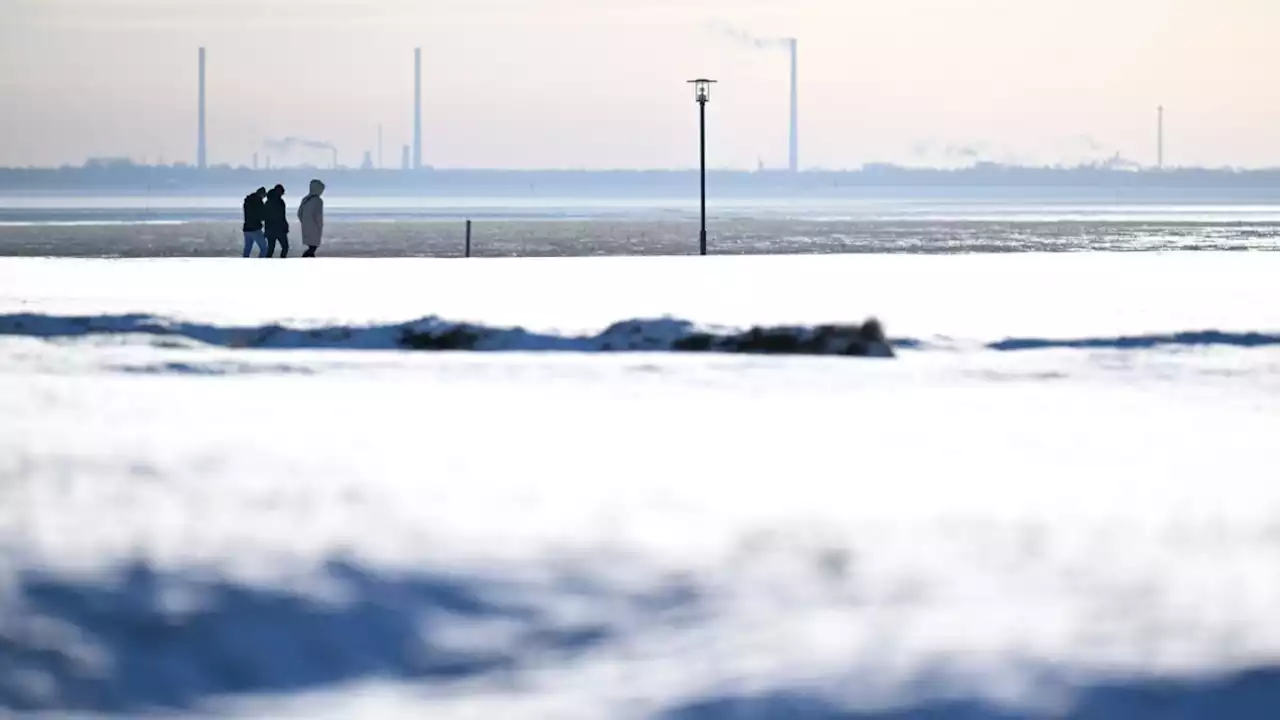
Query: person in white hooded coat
(311, 216)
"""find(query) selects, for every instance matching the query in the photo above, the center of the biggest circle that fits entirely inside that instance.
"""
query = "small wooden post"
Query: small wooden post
(468, 238)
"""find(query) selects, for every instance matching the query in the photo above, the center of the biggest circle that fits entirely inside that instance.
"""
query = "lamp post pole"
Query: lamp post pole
(702, 144)
(702, 93)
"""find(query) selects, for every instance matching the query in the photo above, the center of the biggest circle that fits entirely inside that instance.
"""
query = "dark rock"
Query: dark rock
(866, 340)
(455, 338)
(698, 342)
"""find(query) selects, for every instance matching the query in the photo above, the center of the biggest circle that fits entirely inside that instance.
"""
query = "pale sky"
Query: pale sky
(600, 83)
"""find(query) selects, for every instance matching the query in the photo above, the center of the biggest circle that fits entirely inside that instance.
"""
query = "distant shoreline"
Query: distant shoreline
(873, 181)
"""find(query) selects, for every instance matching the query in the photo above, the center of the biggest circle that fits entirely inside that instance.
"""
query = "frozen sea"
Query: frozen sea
(200, 226)
(221, 495)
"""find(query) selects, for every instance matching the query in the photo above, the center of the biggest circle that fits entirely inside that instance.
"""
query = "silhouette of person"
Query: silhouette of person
(311, 216)
(277, 222)
(253, 217)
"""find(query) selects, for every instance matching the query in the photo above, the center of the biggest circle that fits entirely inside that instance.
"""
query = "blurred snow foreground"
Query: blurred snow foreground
(1057, 501)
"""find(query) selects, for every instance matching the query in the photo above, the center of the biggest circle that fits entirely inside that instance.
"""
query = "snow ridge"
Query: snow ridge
(640, 335)
(433, 333)
(1143, 342)
(1154, 341)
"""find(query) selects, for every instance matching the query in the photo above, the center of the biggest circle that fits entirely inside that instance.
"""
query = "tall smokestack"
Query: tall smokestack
(1160, 138)
(201, 158)
(795, 129)
(417, 108)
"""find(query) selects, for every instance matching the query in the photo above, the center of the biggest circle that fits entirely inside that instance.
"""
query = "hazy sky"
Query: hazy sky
(600, 83)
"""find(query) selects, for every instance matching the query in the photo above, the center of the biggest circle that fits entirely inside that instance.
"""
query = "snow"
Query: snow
(1084, 528)
(426, 334)
(983, 297)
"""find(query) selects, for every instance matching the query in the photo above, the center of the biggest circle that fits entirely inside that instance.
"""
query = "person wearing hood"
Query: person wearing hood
(253, 217)
(311, 216)
(277, 222)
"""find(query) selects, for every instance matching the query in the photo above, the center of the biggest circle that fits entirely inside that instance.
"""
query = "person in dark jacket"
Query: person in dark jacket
(277, 222)
(253, 217)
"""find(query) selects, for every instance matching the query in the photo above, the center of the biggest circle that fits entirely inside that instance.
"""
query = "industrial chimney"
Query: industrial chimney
(201, 159)
(795, 130)
(417, 108)
(1160, 138)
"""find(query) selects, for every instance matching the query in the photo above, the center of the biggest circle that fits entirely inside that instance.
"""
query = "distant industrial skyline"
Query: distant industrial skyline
(595, 85)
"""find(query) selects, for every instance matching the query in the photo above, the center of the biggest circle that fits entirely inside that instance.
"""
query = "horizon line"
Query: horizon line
(124, 164)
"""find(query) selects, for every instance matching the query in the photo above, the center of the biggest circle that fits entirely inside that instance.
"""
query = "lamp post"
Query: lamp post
(702, 93)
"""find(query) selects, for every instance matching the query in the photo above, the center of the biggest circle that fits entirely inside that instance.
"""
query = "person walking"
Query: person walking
(311, 215)
(277, 222)
(253, 216)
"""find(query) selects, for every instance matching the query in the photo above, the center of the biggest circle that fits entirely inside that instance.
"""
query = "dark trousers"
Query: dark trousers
(283, 239)
(311, 251)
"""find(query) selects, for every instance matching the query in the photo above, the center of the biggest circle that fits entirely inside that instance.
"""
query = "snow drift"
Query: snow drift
(663, 334)
(1083, 530)
(432, 333)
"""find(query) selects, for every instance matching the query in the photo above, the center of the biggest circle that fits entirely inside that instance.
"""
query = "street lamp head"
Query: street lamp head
(702, 89)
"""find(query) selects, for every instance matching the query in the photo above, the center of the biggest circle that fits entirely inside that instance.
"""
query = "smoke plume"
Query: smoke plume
(933, 149)
(287, 145)
(741, 36)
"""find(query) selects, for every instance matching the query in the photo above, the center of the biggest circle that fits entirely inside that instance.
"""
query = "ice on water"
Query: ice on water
(362, 226)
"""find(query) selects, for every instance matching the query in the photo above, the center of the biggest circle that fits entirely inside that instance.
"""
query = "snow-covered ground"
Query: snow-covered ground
(973, 529)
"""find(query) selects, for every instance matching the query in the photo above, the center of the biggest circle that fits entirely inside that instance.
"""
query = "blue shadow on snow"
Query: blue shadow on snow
(224, 639)
(172, 640)
(1247, 695)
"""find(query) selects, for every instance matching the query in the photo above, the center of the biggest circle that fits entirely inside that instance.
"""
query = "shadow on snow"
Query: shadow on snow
(1247, 695)
(144, 640)
(150, 640)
